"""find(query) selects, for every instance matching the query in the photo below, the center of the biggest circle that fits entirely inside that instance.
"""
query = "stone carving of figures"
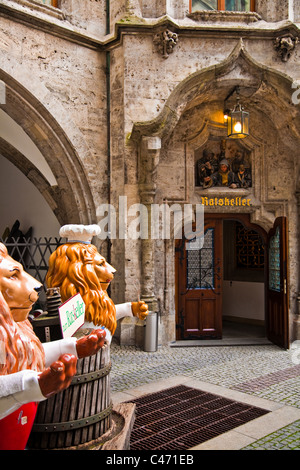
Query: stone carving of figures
(224, 176)
(243, 177)
(205, 168)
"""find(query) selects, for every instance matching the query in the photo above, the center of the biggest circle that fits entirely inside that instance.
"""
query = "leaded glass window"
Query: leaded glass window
(249, 246)
(200, 263)
(204, 5)
(274, 262)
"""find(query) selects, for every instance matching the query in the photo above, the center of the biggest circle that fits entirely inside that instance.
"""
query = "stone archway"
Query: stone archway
(193, 113)
(71, 199)
(259, 84)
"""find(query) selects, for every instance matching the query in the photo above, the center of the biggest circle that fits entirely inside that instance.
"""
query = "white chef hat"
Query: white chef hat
(79, 233)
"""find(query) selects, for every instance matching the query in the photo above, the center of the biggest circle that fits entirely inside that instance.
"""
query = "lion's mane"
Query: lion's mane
(19, 346)
(72, 269)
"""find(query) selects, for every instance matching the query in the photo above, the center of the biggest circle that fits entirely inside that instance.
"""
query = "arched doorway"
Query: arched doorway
(244, 259)
(22, 201)
(236, 279)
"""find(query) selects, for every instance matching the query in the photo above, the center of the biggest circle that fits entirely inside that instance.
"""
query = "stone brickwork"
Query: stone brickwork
(120, 97)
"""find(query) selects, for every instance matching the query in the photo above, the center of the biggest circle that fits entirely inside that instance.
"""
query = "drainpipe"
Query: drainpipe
(107, 16)
(108, 123)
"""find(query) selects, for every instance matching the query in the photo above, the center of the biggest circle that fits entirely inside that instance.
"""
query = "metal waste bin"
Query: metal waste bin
(151, 332)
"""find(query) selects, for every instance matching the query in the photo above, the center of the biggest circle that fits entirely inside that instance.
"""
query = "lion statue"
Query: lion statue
(30, 371)
(77, 266)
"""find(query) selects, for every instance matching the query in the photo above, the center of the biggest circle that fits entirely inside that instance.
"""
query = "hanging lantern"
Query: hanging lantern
(238, 122)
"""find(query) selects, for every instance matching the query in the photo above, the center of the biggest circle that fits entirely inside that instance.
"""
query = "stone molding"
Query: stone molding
(150, 148)
(52, 20)
(225, 16)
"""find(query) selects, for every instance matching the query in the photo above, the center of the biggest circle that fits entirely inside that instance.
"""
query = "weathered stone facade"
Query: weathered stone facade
(121, 96)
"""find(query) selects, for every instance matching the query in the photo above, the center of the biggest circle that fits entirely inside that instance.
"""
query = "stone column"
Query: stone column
(172, 8)
(158, 8)
(296, 12)
(149, 159)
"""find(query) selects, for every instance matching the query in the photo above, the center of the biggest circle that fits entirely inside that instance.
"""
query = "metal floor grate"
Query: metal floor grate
(181, 417)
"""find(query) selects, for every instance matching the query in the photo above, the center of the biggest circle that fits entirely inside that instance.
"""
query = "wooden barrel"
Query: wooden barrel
(79, 414)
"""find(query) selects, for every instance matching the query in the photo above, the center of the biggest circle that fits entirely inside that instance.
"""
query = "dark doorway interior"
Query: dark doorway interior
(243, 311)
(237, 285)
(240, 286)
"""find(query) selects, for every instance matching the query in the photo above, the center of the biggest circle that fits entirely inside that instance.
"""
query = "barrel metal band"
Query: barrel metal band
(91, 376)
(75, 424)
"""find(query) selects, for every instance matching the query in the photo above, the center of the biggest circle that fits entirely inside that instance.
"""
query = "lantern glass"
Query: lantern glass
(238, 124)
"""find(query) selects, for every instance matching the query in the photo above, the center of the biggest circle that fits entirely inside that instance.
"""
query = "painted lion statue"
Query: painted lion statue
(77, 266)
(30, 371)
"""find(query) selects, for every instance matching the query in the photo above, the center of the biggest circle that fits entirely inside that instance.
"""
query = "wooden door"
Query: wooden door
(277, 288)
(199, 271)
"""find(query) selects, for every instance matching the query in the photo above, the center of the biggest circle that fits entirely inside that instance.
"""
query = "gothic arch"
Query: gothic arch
(71, 199)
(266, 93)
(260, 84)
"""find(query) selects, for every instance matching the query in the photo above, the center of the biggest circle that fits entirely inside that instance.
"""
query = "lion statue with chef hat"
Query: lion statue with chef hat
(78, 267)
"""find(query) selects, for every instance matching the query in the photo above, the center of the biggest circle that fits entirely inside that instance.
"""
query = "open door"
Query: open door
(199, 274)
(277, 288)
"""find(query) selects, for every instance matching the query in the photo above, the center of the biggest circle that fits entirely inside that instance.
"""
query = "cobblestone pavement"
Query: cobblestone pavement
(287, 438)
(264, 371)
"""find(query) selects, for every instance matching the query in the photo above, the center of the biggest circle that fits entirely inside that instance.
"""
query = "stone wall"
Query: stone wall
(156, 90)
(89, 15)
(68, 83)
(125, 94)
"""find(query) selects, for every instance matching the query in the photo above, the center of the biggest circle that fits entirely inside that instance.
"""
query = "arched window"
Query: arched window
(225, 5)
